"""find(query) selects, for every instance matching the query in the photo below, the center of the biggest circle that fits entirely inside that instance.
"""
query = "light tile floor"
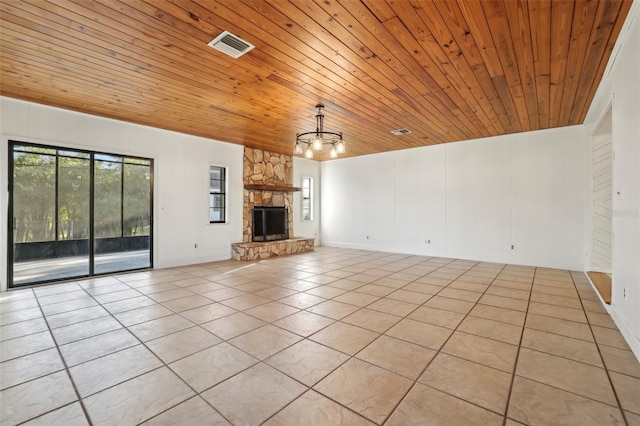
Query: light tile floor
(331, 337)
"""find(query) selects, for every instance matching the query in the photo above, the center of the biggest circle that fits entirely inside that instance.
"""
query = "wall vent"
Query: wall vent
(399, 132)
(230, 44)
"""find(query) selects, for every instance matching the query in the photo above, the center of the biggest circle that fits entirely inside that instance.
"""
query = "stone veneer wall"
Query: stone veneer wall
(266, 168)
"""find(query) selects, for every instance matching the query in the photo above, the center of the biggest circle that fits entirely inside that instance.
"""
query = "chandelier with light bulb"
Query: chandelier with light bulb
(308, 142)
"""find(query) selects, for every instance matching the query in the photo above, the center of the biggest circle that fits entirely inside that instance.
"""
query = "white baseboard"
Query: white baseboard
(173, 263)
(625, 330)
(627, 333)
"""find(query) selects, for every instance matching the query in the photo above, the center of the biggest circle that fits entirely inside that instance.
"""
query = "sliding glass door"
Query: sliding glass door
(76, 213)
(50, 214)
(122, 213)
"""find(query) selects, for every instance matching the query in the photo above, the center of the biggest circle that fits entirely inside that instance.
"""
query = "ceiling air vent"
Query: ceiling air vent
(230, 44)
(400, 132)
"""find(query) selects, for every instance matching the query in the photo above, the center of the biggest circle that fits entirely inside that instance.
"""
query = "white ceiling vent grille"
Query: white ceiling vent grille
(230, 44)
(400, 132)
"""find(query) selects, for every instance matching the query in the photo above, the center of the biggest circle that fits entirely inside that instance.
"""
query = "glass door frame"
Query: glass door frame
(92, 154)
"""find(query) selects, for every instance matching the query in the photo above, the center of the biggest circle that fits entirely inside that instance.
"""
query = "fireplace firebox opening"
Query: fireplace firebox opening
(269, 223)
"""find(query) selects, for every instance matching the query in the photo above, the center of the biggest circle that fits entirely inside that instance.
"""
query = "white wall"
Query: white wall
(303, 167)
(181, 164)
(470, 200)
(620, 88)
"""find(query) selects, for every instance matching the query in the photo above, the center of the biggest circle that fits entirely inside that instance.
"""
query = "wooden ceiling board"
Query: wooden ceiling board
(311, 113)
(446, 70)
(520, 28)
(478, 29)
(540, 24)
(373, 66)
(561, 17)
(617, 27)
(605, 17)
(583, 19)
(469, 56)
(433, 60)
(384, 94)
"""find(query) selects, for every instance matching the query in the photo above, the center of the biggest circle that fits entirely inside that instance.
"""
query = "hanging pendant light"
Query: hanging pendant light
(308, 142)
(317, 143)
(333, 153)
(308, 153)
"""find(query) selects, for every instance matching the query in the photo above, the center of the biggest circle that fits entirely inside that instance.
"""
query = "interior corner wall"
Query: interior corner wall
(471, 200)
(620, 89)
(304, 168)
(181, 176)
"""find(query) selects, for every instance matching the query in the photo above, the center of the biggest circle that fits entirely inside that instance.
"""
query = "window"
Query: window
(217, 194)
(307, 204)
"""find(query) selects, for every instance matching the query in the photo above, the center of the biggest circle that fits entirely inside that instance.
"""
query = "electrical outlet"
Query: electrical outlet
(367, 237)
(195, 245)
(513, 247)
(427, 241)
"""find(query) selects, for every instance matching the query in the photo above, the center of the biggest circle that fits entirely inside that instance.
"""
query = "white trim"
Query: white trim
(631, 339)
(627, 333)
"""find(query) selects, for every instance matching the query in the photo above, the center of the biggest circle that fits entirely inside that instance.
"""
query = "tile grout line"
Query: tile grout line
(359, 308)
(163, 364)
(606, 369)
(438, 351)
(572, 360)
(259, 362)
(66, 368)
(80, 399)
(515, 363)
(416, 380)
(474, 362)
(414, 309)
(311, 388)
(406, 316)
(456, 329)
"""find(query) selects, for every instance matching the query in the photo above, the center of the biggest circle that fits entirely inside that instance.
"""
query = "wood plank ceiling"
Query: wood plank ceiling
(446, 70)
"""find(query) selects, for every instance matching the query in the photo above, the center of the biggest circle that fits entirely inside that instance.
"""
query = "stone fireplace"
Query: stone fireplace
(268, 183)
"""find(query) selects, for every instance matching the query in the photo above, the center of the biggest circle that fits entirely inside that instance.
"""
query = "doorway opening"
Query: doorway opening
(602, 231)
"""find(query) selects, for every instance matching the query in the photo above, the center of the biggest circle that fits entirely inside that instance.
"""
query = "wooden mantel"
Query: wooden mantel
(281, 188)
